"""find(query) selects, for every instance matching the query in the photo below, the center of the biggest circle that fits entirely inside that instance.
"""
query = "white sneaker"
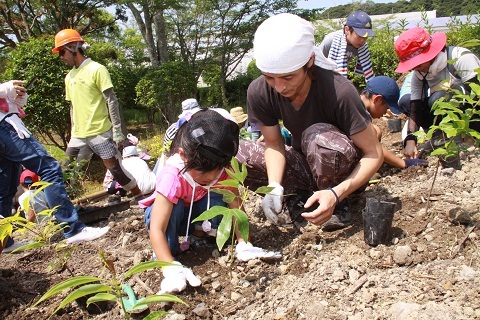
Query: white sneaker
(16, 245)
(88, 234)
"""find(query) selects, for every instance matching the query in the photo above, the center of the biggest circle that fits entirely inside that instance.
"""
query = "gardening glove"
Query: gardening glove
(246, 251)
(176, 278)
(272, 202)
(415, 162)
(118, 136)
(18, 125)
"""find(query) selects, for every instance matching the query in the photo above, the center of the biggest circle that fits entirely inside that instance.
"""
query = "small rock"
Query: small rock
(375, 254)
(353, 275)
(460, 216)
(421, 247)
(126, 239)
(402, 255)
(216, 285)
(466, 273)
(235, 296)
(202, 311)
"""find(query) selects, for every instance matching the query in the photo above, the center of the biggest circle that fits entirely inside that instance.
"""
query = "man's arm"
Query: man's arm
(274, 153)
(114, 111)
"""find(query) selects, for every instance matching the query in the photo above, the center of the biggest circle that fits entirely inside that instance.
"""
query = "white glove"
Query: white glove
(246, 251)
(18, 125)
(176, 278)
(272, 202)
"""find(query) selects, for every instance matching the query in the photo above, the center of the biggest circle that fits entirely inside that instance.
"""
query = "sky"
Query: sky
(312, 4)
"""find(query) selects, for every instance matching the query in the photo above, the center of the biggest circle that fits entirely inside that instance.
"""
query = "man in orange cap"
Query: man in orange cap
(90, 91)
(428, 55)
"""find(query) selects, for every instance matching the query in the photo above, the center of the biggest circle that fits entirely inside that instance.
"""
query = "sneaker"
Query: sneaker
(341, 218)
(15, 246)
(88, 234)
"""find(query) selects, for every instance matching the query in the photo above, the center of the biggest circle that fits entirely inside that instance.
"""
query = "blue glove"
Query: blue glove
(416, 162)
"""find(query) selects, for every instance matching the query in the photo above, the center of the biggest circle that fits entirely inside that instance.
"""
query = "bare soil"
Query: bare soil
(429, 269)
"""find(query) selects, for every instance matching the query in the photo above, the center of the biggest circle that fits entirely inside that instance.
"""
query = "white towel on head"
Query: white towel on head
(284, 43)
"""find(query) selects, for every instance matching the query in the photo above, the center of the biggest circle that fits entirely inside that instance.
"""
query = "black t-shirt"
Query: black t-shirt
(332, 99)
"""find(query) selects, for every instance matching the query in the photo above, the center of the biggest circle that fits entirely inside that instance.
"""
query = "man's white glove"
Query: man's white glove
(176, 278)
(18, 125)
(272, 202)
(246, 251)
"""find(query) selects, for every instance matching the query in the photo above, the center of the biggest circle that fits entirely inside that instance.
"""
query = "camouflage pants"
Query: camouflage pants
(328, 156)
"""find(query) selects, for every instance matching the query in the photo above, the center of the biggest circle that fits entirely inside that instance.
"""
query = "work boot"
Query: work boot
(341, 218)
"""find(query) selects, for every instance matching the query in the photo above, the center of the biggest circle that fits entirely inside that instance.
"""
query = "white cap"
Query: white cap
(284, 43)
(189, 104)
(129, 151)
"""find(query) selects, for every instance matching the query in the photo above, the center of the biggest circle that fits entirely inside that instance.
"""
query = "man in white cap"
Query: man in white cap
(334, 150)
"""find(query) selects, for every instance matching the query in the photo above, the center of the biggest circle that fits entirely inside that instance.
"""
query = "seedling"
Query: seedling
(232, 218)
(109, 288)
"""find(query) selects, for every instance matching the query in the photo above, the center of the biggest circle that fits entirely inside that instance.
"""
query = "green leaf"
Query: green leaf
(5, 230)
(82, 292)
(224, 229)
(102, 296)
(156, 315)
(242, 223)
(212, 213)
(31, 246)
(234, 175)
(244, 173)
(145, 266)
(229, 183)
(69, 283)
(264, 190)
(234, 164)
(228, 196)
(158, 298)
(438, 151)
(475, 88)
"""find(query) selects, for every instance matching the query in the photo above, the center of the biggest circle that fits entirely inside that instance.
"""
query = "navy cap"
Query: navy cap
(360, 22)
(388, 89)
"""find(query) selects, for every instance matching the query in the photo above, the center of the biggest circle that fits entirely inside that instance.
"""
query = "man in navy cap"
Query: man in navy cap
(381, 94)
(343, 45)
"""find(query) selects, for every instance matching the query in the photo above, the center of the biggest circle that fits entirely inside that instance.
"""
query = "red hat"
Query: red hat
(28, 177)
(416, 46)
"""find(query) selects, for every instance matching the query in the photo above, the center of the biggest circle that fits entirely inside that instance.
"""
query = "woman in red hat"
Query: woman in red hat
(427, 55)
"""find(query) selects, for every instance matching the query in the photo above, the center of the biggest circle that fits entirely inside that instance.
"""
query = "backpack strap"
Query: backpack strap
(450, 66)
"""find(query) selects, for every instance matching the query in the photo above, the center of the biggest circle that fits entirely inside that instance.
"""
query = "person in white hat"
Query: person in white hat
(334, 150)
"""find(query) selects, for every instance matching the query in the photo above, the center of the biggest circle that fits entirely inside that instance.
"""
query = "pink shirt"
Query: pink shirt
(172, 185)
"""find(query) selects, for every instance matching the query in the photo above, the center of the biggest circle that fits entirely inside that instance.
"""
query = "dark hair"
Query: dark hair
(368, 94)
(349, 29)
(213, 148)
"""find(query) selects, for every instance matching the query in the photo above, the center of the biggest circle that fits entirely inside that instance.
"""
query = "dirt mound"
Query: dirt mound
(429, 269)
